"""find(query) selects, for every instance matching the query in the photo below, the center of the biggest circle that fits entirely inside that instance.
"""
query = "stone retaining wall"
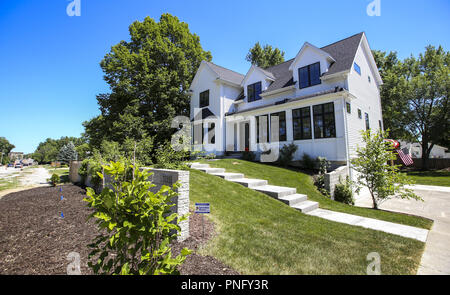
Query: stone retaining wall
(159, 177)
(332, 178)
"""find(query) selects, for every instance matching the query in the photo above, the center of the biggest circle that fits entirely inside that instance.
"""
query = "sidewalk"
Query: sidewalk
(436, 206)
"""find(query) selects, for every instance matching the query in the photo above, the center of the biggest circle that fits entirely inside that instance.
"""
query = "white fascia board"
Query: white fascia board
(220, 80)
(251, 70)
(342, 74)
(320, 51)
(372, 62)
(277, 91)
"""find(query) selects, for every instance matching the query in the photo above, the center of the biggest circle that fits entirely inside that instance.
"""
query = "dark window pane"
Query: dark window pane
(211, 135)
(367, 121)
(281, 125)
(314, 71)
(304, 77)
(250, 93)
(359, 114)
(349, 107)
(324, 121)
(257, 90)
(204, 99)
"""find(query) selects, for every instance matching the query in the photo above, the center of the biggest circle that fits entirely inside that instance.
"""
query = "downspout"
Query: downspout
(346, 138)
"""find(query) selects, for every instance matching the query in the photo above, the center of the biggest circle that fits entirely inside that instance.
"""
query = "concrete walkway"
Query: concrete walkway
(376, 224)
(436, 206)
(298, 201)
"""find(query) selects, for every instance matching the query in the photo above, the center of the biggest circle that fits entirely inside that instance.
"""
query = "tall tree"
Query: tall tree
(264, 57)
(415, 97)
(67, 153)
(5, 148)
(428, 108)
(149, 77)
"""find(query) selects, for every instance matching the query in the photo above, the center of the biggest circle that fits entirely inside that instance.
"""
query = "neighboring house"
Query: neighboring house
(13, 156)
(323, 98)
(415, 150)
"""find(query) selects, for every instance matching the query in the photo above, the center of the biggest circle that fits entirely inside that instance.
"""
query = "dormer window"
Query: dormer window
(254, 91)
(309, 75)
(204, 99)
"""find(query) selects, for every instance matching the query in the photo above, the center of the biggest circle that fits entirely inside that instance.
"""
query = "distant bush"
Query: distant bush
(287, 154)
(168, 158)
(343, 193)
(54, 179)
(248, 156)
(308, 162)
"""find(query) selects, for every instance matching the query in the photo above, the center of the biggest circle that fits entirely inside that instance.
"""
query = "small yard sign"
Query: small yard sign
(202, 208)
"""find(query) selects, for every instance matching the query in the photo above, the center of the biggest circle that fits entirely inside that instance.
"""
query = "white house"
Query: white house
(415, 150)
(323, 98)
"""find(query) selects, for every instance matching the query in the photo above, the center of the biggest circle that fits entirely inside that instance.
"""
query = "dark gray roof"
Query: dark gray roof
(226, 74)
(283, 77)
(342, 51)
(288, 100)
(204, 114)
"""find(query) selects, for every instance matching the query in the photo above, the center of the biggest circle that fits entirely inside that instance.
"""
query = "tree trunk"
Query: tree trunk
(425, 154)
(375, 205)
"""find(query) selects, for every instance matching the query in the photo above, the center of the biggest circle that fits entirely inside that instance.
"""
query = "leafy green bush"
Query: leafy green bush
(324, 164)
(308, 162)
(248, 156)
(136, 226)
(343, 193)
(91, 167)
(287, 154)
(168, 158)
(54, 179)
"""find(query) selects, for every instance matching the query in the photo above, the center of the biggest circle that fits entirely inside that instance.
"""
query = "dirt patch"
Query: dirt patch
(35, 239)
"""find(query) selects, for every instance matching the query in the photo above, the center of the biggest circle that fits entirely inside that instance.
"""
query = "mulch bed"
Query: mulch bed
(35, 239)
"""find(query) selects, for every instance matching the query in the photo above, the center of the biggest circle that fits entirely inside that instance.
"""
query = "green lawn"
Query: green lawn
(304, 184)
(63, 173)
(257, 234)
(440, 178)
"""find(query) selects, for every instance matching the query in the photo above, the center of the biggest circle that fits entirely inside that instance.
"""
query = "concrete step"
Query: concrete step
(250, 182)
(198, 165)
(229, 176)
(212, 170)
(306, 206)
(276, 191)
(291, 200)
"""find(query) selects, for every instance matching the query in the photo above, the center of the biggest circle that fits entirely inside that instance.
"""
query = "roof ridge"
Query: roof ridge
(279, 64)
(224, 68)
(343, 39)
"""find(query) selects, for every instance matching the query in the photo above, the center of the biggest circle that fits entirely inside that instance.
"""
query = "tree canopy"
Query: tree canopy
(149, 77)
(48, 150)
(264, 56)
(415, 97)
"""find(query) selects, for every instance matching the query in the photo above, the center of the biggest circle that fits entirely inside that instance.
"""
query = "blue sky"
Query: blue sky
(49, 62)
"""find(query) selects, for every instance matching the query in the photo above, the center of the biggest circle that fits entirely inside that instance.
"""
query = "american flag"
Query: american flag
(406, 159)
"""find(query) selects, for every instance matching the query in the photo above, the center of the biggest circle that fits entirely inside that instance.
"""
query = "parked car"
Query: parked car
(18, 165)
(10, 165)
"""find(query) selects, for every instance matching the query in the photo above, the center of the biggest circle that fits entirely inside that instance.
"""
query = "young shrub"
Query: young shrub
(287, 154)
(308, 162)
(324, 165)
(91, 167)
(54, 179)
(375, 172)
(343, 192)
(136, 226)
